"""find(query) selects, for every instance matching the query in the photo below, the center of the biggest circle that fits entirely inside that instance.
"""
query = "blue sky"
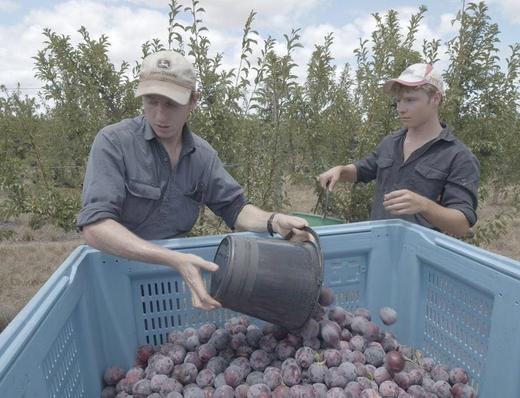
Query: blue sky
(129, 23)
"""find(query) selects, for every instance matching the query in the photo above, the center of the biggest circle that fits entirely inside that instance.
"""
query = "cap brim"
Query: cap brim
(389, 85)
(174, 92)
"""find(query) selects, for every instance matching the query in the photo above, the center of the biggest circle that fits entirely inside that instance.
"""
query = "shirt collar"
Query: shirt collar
(446, 133)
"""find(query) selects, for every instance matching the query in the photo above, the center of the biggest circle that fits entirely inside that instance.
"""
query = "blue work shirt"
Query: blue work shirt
(443, 170)
(129, 178)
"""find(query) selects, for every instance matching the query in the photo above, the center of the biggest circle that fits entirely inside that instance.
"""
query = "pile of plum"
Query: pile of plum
(337, 354)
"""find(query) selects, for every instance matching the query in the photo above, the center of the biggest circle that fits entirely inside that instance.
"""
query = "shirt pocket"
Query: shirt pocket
(429, 181)
(141, 199)
(384, 172)
(186, 205)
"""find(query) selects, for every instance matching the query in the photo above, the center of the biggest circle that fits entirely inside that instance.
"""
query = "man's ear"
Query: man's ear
(437, 98)
(194, 99)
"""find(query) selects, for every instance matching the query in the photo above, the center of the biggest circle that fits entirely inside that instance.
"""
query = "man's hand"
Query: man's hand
(403, 201)
(329, 179)
(189, 266)
(291, 228)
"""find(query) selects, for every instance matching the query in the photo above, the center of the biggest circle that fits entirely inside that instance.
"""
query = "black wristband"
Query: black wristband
(270, 224)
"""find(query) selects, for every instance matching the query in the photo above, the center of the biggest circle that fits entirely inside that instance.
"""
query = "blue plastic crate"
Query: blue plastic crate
(458, 303)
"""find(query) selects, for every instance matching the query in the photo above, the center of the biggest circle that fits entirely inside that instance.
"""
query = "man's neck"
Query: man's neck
(425, 132)
(173, 147)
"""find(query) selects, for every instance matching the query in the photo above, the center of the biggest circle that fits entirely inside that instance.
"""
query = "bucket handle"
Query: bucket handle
(316, 243)
(324, 203)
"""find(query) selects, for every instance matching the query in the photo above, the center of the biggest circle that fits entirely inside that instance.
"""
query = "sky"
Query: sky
(130, 23)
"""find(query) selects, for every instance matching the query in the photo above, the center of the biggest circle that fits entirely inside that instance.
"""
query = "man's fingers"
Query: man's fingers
(299, 235)
(205, 302)
(207, 265)
(331, 184)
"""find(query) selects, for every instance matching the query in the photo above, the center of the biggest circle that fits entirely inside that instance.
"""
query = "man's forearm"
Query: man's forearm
(251, 218)
(349, 173)
(111, 237)
(451, 221)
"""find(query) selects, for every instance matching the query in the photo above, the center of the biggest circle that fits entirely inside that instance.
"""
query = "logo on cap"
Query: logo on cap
(163, 64)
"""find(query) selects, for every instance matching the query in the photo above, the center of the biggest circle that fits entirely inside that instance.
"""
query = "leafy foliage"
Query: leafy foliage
(269, 126)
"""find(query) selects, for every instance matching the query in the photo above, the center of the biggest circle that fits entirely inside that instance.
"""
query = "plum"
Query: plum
(206, 331)
(205, 378)
(458, 375)
(255, 377)
(272, 377)
(112, 375)
(335, 378)
(388, 315)
(217, 364)
(374, 354)
(233, 375)
(284, 350)
(108, 392)
(259, 391)
(224, 391)
(389, 389)
(260, 360)
(394, 361)
(461, 390)
(185, 373)
(291, 374)
(253, 336)
(349, 371)
(332, 357)
(241, 391)
(316, 372)
(329, 333)
(326, 297)
(142, 388)
(381, 374)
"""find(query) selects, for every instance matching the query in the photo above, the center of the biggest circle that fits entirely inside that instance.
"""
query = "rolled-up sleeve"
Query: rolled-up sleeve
(461, 189)
(103, 187)
(224, 196)
(367, 168)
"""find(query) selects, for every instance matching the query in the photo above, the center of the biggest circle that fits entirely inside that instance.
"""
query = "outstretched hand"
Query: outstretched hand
(189, 267)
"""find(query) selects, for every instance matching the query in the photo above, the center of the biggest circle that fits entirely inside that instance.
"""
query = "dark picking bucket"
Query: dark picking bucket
(271, 279)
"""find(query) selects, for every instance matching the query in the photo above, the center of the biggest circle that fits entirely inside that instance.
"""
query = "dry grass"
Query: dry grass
(508, 244)
(30, 257)
(24, 269)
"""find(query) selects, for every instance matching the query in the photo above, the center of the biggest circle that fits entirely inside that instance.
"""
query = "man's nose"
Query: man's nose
(161, 110)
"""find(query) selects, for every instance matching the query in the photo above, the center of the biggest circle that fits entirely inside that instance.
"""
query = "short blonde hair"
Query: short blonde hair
(429, 89)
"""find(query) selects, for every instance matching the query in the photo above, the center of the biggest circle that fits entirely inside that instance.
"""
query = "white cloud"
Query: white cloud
(8, 6)
(510, 9)
(126, 29)
(230, 14)
(129, 23)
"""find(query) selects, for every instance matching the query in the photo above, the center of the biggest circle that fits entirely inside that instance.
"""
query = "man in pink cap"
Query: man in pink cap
(423, 173)
(148, 177)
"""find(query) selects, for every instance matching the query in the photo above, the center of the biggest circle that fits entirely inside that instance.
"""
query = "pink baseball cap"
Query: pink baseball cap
(417, 75)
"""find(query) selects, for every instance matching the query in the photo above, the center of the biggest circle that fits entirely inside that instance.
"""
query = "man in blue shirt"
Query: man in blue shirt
(423, 173)
(148, 177)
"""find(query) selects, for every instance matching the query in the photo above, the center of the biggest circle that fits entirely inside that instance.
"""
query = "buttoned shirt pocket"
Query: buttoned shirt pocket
(384, 172)
(186, 205)
(429, 181)
(141, 199)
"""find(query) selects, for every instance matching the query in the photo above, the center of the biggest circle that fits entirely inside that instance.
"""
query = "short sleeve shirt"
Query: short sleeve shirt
(443, 170)
(129, 178)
